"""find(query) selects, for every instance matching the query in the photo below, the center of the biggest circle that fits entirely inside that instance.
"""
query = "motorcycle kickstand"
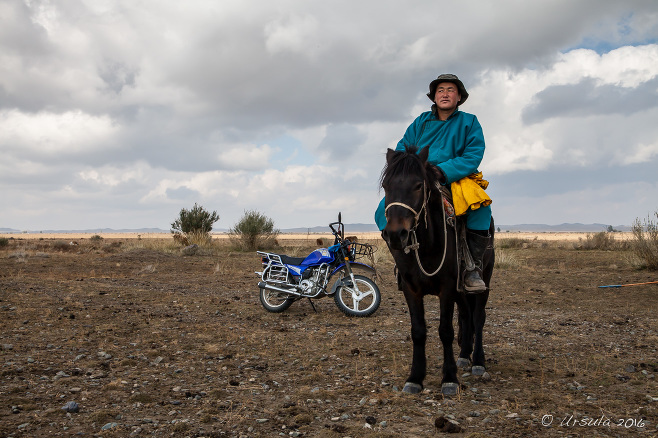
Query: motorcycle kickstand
(312, 305)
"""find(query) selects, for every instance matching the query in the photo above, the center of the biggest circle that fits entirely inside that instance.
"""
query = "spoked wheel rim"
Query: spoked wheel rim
(274, 299)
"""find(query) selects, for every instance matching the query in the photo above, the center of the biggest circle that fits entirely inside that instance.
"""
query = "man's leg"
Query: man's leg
(477, 238)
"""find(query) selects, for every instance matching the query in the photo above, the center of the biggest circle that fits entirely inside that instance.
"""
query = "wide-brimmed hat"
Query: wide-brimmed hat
(447, 77)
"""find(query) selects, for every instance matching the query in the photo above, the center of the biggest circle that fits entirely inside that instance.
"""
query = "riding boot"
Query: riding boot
(477, 245)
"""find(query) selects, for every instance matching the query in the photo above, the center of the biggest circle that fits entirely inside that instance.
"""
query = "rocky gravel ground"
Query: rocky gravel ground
(106, 339)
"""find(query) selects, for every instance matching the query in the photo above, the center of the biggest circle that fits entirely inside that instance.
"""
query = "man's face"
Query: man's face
(446, 96)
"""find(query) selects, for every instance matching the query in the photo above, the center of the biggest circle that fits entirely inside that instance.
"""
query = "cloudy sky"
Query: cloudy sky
(117, 113)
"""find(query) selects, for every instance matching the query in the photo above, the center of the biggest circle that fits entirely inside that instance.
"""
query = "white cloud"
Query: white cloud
(246, 157)
(49, 134)
(293, 33)
(126, 111)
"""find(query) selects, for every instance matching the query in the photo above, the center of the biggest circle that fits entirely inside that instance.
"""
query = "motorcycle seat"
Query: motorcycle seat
(291, 260)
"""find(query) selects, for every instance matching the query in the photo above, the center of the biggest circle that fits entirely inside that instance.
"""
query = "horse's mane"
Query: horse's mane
(405, 163)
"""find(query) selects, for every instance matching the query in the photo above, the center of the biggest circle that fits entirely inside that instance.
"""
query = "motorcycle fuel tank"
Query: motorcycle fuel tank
(322, 255)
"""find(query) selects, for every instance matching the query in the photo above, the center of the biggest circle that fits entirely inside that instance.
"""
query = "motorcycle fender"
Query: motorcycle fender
(360, 265)
(338, 283)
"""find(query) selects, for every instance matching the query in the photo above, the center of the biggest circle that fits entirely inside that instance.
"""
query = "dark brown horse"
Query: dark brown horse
(424, 247)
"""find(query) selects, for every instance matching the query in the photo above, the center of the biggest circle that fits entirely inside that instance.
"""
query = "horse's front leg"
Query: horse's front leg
(414, 383)
(479, 318)
(465, 334)
(450, 384)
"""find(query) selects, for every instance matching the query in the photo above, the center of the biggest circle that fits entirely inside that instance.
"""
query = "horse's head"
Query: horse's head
(406, 180)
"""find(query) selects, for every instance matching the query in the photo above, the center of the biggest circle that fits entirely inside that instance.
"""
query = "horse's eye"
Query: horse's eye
(418, 187)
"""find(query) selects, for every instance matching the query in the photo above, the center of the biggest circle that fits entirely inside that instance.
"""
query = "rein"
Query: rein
(415, 245)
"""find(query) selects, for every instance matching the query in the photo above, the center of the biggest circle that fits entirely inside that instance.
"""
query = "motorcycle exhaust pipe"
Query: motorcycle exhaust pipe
(263, 285)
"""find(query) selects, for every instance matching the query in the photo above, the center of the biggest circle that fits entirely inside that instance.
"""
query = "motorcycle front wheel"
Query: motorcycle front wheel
(275, 302)
(360, 299)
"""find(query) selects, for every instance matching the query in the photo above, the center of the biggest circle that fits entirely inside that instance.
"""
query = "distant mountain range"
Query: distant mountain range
(351, 228)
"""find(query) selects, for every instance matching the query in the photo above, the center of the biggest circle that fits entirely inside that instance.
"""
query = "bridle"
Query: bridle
(417, 215)
(426, 198)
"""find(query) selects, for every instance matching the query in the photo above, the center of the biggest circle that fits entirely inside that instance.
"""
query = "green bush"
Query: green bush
(4, 242)
(254, 231)
(194, 226)
(645, 241)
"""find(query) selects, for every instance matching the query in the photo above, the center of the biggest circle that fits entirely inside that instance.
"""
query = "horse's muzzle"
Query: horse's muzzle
(396, 239)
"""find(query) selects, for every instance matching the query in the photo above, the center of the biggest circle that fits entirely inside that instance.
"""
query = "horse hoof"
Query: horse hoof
(450, 388)
(477, 370)
(463, 363)
(412, 388)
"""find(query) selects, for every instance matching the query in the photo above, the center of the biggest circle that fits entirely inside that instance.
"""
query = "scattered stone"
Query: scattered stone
(190, 250)
(109, 426)
(7, 347)
(30, 360)
(474, 414)
(447, 425)
(262, 420)
(71, 407)
(629, 369)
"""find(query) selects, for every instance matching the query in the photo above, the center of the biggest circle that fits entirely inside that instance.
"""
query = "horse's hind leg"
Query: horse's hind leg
(414, 383)
(450, 384)
(479, 318)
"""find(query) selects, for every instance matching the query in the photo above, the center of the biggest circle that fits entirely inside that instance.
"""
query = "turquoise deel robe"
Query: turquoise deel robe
(456, 147)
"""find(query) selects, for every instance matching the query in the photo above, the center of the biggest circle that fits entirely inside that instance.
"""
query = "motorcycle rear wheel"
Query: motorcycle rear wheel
(362, 302)
(275, 302)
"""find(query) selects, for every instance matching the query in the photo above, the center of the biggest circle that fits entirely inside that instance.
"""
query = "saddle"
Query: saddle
(465, 261)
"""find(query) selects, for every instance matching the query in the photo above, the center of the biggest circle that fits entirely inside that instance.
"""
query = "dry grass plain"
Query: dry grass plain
(150, 342)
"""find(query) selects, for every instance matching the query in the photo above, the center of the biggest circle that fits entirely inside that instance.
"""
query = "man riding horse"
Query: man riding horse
(456, 146)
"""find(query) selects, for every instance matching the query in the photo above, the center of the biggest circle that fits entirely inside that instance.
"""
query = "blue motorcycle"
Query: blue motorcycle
(286, 279)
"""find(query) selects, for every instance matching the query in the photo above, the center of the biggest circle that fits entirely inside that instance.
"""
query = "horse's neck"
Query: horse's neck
(431, 231)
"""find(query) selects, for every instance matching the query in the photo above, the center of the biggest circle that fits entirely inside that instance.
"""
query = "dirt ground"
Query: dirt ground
(150, 342)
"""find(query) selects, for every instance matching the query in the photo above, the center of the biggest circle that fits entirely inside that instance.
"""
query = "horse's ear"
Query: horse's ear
(389, 155)
(424, 153)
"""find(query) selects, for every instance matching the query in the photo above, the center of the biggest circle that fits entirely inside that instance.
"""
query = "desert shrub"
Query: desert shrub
(4, 242)
(60, 245)
(645, 241)
(254, 231)
(194, 226)
(506, 260)
(511, 242)
(603, 241)
(96, 238)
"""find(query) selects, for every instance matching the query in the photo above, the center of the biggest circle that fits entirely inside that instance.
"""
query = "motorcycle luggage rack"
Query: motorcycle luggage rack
(360, 250)
(276, 274)
(275, 270)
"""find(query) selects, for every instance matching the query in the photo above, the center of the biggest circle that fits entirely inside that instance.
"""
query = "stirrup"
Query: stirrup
(477, 284)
